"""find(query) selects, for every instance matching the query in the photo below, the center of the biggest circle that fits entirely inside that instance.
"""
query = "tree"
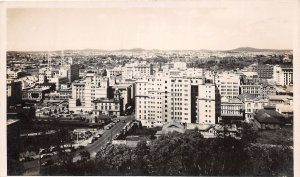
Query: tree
(85, 155)
(117, 160)
(141, 158)
(249, 135)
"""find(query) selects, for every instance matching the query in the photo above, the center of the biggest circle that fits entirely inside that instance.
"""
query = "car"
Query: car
(108, 142)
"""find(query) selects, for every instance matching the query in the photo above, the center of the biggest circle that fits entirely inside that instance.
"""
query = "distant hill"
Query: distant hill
(132, 50)
(251, 49)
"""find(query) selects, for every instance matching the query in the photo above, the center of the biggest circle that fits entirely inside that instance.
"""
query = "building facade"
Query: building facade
(283, 75)
(168, 97)
(264, 71)
(86, 90)
(228, 84)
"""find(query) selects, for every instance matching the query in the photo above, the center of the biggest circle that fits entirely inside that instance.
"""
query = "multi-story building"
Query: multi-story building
(228, 84)
(126, 92)
(232, 109)
(283, 75)
(132, 70)
(58, 81)
(255, 90)
(268, 90)
(73, 72)
(69, 71)
(168, 97)
(209, 104)
(105, 106)
(45, 74)
(86, 90)
(264, 71)
(161, 99)
(116, 71)
(251, 105)
(13, 91)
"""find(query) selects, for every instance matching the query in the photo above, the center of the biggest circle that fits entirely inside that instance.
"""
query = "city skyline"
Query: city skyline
(210, 25)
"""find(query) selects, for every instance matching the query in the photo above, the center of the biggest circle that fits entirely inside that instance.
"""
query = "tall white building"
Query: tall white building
(228, 85)
(168, 97)
(86, 90)
(283, 75)
(209, 104)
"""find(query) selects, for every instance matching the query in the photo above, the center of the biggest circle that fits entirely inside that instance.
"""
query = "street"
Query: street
(94, 147)
(32, 167)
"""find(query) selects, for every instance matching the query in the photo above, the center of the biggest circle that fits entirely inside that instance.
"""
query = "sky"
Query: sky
(214, 25)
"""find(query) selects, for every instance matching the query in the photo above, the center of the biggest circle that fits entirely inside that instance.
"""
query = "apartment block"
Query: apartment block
(168, 97)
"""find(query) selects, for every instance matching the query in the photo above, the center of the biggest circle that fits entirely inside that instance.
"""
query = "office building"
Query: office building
(168, 97)
(283, 75)
(228, 84)
(264, 71)
(84, 91)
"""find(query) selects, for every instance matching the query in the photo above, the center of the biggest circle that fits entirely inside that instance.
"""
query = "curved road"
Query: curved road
(106, 136)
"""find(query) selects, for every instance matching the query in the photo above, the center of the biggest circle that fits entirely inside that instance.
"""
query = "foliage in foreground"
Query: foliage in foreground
(185, 154)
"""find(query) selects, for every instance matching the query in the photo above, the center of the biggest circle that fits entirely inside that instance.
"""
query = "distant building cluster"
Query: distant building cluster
(157, 92)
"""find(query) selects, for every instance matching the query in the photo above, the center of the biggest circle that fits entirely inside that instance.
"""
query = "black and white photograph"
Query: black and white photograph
(149, 88)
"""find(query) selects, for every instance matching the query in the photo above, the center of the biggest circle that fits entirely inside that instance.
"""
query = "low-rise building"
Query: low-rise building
(279, 99)
(251, 105)
(35, 94)
(268, 119)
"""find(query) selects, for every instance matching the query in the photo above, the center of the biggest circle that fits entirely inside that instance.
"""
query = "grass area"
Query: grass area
(283, 136)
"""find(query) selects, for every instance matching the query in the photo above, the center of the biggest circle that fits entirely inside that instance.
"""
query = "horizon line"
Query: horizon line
(138, 48)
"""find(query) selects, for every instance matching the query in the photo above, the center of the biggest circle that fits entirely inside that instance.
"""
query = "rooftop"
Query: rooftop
(280, 97)
(247, 96)
(268, 116)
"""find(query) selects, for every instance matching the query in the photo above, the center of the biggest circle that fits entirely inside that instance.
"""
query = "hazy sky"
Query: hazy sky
(212, 24)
